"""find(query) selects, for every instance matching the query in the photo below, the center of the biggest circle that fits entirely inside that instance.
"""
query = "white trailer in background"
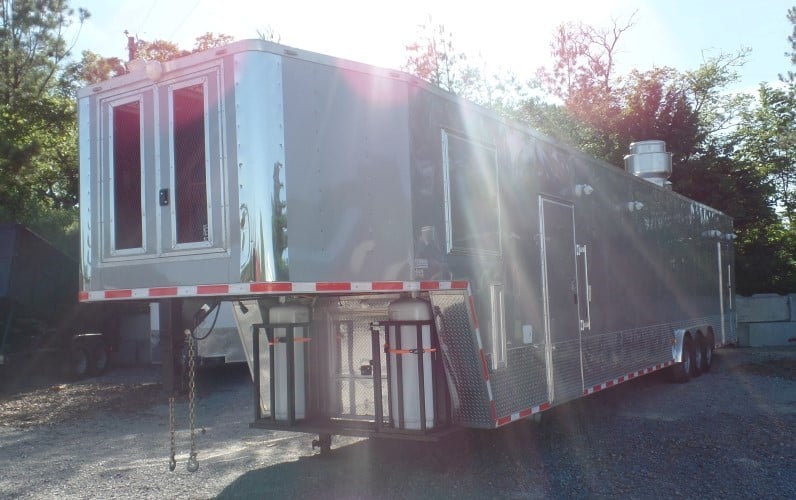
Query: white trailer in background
(400, 261)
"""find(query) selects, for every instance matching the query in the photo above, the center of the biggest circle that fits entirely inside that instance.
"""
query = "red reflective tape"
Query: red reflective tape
(631, 376)
(81, 296)
(621, 379)
(388, 285)
(270, 287)
(429, 285)
(544, 406)
(610, 383)
(211, 289)
(459, 285)
(503, 420)
(526, 413)
(332, 286)
(597, 388)
(118, 294)
(472, 312)
(163, 292)
(484, 365)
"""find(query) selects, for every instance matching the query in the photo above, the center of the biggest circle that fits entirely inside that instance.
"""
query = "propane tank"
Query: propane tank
(402, 340)
(289, 314)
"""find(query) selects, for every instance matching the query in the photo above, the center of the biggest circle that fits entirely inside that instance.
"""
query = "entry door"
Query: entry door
(560, 282)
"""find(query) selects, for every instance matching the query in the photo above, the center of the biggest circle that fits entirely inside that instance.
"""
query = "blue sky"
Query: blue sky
(507, 34)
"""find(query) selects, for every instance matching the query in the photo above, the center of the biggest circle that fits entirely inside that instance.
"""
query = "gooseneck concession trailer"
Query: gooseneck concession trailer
(400, 261)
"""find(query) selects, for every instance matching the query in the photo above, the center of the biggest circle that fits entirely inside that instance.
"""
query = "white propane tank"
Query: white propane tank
(282, 314)
(408, 309)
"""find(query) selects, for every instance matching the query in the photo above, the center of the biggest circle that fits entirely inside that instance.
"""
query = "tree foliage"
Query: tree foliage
(767, 139)
(38, 144)
(433, 57)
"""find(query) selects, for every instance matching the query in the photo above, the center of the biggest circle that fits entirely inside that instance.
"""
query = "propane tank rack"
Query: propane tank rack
(418, 401)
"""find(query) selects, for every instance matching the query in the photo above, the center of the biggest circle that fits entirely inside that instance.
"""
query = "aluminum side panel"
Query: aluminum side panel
(261, 186)
(347, 168)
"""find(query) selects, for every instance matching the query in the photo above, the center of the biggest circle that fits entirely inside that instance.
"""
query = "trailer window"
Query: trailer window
(471, 195)
(190, 176)
(127, 223)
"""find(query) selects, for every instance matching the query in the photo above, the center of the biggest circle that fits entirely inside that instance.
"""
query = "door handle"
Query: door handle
(583, 250)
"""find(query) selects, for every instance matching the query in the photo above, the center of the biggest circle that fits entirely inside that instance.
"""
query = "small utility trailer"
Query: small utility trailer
(401, 262)
(42, 325)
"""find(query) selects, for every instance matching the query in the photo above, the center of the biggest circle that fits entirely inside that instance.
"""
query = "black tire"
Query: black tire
(681, 372)
(698, 356)
(99, 358)
(78, 363)
(708, 353)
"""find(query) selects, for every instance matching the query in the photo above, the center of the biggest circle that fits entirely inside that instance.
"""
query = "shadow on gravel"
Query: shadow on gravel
(462, 468)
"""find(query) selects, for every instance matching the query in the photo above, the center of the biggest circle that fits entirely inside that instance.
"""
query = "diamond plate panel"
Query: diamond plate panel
(612, 355)
(463, 365)
(523, 383)
(567, 376)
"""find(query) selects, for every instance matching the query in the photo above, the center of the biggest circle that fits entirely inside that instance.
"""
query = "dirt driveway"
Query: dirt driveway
(727, 434)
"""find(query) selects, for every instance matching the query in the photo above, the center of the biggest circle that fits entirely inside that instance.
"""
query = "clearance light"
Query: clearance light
(634, 206)
(583, 190)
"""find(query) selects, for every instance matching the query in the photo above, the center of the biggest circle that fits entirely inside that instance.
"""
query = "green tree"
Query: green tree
(158, 50)
(211, 40)
(434, 58)
(92, 68)
(767, 139)
(38, 166)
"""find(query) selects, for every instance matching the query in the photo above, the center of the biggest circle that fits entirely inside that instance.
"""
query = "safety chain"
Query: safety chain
(193, 464)
(172, 461)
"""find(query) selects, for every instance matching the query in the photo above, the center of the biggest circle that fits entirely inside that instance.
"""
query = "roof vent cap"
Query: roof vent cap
(650, 161)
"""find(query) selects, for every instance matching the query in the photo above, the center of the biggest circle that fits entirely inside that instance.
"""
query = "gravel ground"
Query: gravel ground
(727, 434)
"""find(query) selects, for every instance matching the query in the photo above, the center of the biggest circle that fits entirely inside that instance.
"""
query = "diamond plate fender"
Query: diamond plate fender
(463, 355)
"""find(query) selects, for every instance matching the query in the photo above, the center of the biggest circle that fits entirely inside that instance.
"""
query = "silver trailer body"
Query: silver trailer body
(269, 176)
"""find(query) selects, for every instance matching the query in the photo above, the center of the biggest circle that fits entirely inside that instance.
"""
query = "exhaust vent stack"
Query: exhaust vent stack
(650, 161)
